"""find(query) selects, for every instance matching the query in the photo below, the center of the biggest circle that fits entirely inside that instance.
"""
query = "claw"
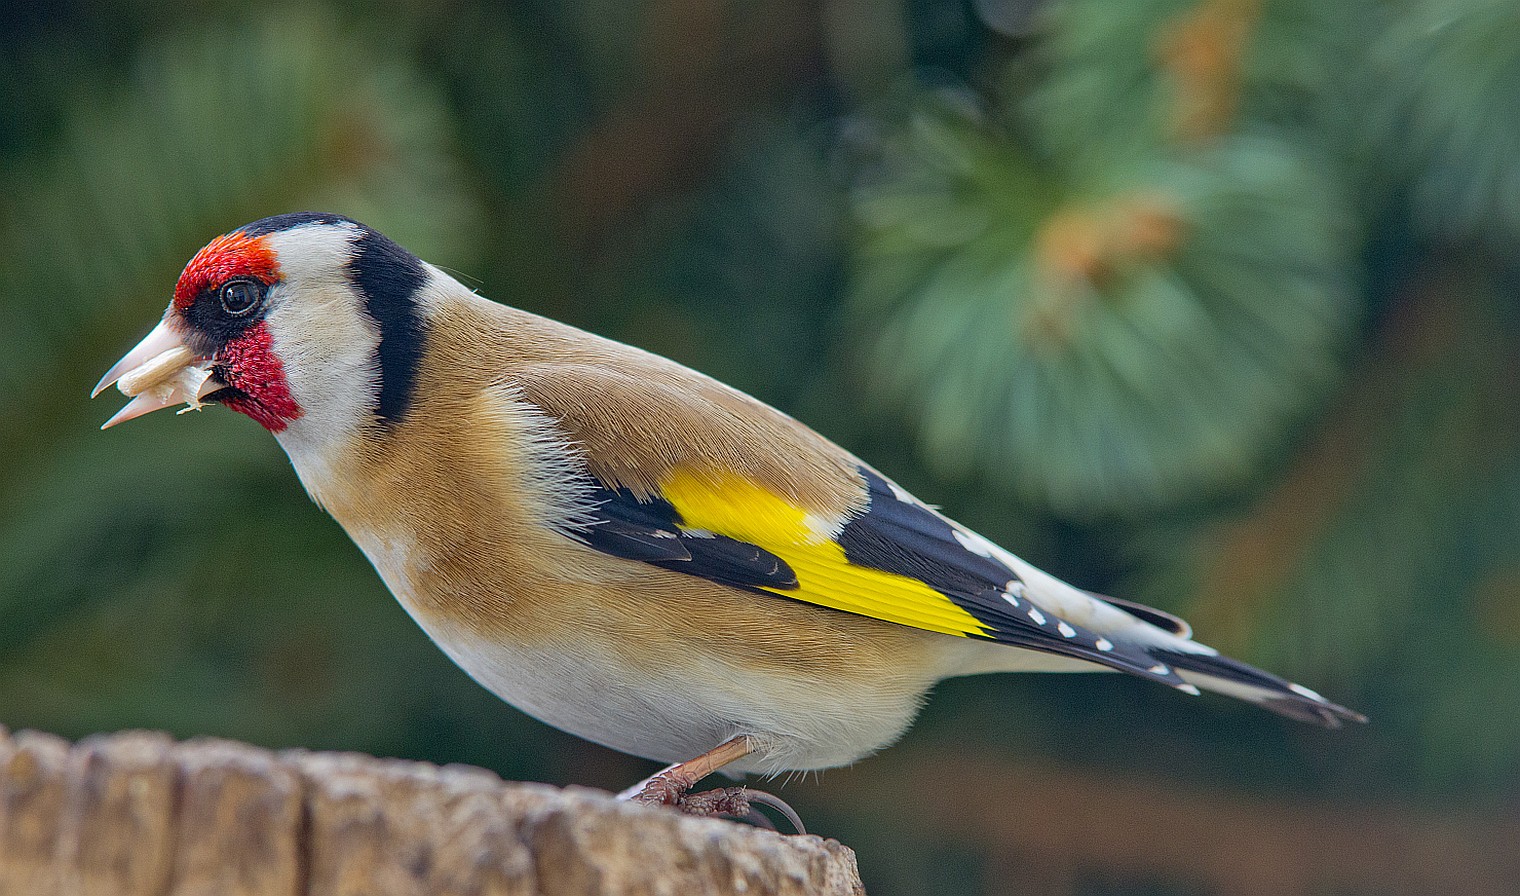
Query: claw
(777, 803)
(671, 786)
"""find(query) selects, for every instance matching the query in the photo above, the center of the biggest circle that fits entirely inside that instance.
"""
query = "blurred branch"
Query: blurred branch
(136, 813)
(1428, 403)
(1055, 823)
(668, 135)
(1203, 51)
(1259, 552)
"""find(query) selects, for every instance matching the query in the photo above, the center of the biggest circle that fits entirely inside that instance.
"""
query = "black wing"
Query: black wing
(650, 531)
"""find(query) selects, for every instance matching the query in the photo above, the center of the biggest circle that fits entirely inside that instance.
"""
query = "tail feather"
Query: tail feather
(1213, 672)
(1161, 619)
(1128, 633)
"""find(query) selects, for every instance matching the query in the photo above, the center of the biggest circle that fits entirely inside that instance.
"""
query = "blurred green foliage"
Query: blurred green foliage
(1212, 303)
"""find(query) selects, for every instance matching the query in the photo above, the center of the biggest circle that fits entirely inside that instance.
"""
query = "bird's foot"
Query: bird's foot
(673, 790)
(729, 801)
(671, 787)
(668, 788)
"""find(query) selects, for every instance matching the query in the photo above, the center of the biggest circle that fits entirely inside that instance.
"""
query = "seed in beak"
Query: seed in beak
(166, 379)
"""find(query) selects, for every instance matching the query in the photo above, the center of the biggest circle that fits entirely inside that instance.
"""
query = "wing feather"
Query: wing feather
(649, 531)
(895, 560)
(706, 481)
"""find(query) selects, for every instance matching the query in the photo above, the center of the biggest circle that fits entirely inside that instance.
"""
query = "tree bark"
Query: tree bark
(137, 814)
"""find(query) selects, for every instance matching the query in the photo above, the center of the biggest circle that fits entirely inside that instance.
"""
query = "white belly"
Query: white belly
(676, 707)
(685, 709)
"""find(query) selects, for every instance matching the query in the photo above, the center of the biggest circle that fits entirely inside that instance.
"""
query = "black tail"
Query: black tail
(1237, 679)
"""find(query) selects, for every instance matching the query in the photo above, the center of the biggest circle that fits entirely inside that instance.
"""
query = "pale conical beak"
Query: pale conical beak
(160, 371)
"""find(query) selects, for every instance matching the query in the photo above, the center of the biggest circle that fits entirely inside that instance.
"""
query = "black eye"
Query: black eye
(239, 297)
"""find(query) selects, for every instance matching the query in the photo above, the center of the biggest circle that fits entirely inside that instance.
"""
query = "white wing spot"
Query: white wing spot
(1189, 689)
(1104, 645)
(1066, 630)
(1014, 587)
(1012, 600)
(1037, 616)
(1302, 691)
(974, 543)
(1159, 669)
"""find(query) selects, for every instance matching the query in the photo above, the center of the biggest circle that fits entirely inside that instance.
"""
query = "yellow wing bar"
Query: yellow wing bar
(733, 506)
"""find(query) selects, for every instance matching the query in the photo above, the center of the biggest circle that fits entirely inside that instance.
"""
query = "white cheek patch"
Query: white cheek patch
(320, 334)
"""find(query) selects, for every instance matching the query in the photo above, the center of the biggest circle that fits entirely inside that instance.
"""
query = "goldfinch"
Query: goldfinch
(618, 545)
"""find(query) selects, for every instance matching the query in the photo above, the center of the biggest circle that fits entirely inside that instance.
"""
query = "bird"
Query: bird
(616, 544)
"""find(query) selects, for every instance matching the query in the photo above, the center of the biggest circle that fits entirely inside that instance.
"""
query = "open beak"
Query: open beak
(161, 371)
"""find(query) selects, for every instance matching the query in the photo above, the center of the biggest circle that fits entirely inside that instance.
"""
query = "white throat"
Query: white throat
(328, 346)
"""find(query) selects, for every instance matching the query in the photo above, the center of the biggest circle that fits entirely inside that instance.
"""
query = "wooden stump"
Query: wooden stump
(137, 814)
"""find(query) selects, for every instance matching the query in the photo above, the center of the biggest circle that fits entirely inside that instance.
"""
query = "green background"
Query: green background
(1207, 303)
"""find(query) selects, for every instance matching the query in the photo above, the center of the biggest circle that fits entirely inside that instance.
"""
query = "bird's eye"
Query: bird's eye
(239, 297)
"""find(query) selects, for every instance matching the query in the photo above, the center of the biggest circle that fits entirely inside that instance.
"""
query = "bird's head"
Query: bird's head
(308, 323)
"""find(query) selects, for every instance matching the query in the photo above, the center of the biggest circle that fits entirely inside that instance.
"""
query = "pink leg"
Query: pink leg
(671, 787)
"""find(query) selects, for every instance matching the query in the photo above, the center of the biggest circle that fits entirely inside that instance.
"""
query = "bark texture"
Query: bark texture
(137, 814)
